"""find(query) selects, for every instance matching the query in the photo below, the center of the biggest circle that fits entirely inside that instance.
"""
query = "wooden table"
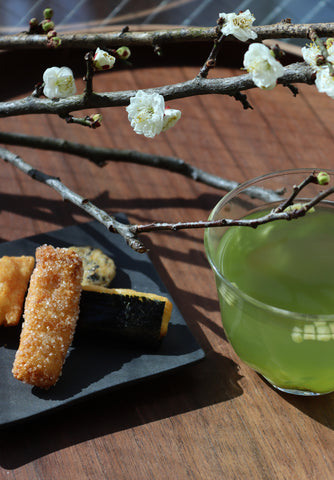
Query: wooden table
(216, 418)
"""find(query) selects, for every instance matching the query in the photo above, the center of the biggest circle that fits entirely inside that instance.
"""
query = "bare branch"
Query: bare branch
(54, 182)
(130, 232)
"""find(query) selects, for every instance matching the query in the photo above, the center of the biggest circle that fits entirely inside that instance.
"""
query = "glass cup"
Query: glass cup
(263, 273)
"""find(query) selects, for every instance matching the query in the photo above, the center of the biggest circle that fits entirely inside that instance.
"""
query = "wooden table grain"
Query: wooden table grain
(214, 419)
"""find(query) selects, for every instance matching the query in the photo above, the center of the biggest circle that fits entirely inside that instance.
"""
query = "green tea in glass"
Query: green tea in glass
(275, 283)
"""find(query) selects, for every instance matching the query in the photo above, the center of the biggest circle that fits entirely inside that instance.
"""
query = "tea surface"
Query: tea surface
(286, 264)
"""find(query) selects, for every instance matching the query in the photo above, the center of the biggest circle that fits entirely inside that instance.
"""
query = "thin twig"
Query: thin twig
(295, 191)
(212, 58)
(54, 182)
(89, 74)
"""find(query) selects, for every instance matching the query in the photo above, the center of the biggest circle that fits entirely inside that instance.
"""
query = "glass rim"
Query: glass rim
(297, 316)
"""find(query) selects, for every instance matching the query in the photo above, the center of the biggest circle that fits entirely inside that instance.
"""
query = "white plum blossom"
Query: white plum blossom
(239, 25)
(262, 65)
(171, 117)
(311, 54)
(324, 81)
(58, 82)
(102, 60)
(146, 113)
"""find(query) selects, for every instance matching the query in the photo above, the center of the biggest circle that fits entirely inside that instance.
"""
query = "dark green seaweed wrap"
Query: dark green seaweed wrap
(121, 313)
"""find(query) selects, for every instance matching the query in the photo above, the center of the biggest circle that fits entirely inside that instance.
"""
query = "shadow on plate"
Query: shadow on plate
(190, 388)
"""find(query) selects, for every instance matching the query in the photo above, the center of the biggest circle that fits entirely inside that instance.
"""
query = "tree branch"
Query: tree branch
(159, 37)
(130, 232)
(100, 156)
(54, 182)
(294, 73)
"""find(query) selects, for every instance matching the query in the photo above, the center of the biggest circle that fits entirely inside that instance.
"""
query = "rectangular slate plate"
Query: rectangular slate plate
(93, 365)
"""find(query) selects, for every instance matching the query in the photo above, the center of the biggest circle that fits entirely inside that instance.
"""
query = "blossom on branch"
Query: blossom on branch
(320, 64)
(58, 82)
(261, 63)
(324, 81)
(171, 117)
(102, 60)
(311, 54)
(148, 115)
(238, 25)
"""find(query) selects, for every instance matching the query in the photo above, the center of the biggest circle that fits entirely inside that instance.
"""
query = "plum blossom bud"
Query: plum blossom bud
(47, 25)
(51, 33)
(54, 41)
(171, 117)
(58, 82)
(323, 178)
(123, 52)
(33, 22)
(102, 60)
(48, 13)
(96, 120)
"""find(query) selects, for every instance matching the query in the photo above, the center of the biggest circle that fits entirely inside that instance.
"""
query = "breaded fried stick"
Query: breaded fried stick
(50, 315)
(14, 278)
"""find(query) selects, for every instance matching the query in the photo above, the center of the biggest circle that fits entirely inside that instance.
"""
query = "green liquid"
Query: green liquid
(290, 266)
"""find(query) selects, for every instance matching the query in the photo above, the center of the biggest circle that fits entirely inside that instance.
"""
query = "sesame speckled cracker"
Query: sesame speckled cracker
(14, 278)
(50, 316)
(99, 269)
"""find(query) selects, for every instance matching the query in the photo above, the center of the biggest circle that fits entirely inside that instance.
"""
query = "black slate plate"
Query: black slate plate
(95, 364)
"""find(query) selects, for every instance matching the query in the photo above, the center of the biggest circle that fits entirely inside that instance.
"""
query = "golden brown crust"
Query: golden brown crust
(14, 278)
(50, 315)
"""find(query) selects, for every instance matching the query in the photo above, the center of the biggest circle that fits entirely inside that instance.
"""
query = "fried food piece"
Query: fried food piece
(50, 316)
(99, 269)
(14, 278)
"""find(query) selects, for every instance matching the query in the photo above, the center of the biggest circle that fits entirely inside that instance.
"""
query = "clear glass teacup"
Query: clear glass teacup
(275, 282)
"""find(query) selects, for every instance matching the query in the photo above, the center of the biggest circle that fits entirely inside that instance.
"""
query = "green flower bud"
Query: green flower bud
(51, 33)
(323, 178)
(47, 25)
(48, 13)
(33, 22)
(54, 42)
(123, 52)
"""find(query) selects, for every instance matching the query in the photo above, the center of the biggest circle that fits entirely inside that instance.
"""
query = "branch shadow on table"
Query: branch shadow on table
(320, 408)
